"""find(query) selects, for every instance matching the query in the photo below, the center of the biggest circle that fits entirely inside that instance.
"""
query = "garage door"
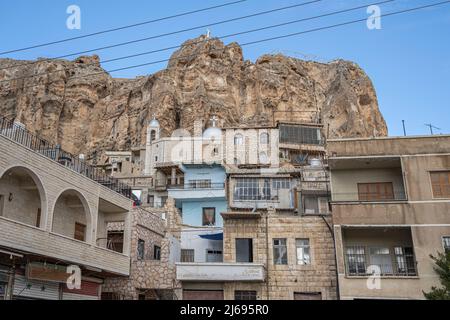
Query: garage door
(33, 289)
(202, 294)
(307, 296)
(88, 291)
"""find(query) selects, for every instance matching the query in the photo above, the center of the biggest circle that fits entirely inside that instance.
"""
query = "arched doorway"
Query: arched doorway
(22, 197)
(71, 216)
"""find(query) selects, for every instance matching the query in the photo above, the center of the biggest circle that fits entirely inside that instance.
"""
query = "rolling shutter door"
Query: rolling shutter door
(32, 289)
(202, 295)
(88, 291)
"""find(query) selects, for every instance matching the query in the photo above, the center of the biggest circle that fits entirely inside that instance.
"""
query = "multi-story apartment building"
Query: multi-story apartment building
(277, 240)
(391, 205)
(58, 217)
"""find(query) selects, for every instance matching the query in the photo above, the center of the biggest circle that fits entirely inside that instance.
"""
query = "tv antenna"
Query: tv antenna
(432, 127)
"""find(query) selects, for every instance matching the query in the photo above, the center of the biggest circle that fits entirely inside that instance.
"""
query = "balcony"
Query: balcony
(207, 272)
(33, 240)
(367, 180)
(195, 189)
(18, 133)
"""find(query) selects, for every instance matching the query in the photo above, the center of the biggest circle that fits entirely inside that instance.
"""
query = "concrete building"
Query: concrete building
(57, 215)
(391, 204)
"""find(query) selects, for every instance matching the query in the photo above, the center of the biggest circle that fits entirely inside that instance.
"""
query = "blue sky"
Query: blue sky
(408, 60)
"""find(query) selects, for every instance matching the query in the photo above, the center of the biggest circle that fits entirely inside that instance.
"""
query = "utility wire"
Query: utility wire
(122, 28)
(206, 40)
(260, 41)
(121, 44)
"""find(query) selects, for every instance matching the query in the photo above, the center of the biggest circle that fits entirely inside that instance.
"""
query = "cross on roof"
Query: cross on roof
(214, 119)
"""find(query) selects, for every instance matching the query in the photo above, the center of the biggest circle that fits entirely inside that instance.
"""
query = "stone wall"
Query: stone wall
(149, 275)
(283, 281)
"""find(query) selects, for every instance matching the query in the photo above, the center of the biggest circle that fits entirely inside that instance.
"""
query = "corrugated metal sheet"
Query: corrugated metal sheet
(73, 296)
(35, 289)
(87, 289)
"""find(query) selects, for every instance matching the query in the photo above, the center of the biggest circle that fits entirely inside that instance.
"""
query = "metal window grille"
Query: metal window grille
(245, 295)
(300, 134)
(187, 255)
(405, 261)
(446, 243)
(356, 260)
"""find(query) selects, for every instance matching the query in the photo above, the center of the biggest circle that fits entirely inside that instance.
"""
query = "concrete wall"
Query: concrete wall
(345, 182)
(190, 239)
(52, 179)
(192, 211)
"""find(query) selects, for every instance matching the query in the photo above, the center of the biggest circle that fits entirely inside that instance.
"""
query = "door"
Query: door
(307, 296)
(203, 295)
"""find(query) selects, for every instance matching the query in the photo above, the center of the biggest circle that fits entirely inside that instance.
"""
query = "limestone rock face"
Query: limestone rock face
(80, 106)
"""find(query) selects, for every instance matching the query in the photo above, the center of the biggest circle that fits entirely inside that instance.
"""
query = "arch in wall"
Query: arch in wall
(71, 216)
(264, 138)
(22, 196)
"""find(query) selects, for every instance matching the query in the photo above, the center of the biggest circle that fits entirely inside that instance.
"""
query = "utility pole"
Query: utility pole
(404, 128)
(432, 127)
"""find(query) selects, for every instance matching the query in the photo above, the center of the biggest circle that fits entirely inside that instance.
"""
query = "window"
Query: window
(80, 231)
(263, 158)
(187, 255)
(264, 138)
(141, 249)
(405, 262)
(283, 183)
(238, 139)
(151, 200)
(314, 204)
(440, 183)
(209, 216)
(214, 256)
(38, 218)
(356, 260)
(199, 184)
(115, 241)
(279, 251)
(381, 257)
(250, 189)
(245, 295)
(375, 191)
(303, 251)
(152, 135)
(244, 250)
(300, 134)
(156, 253)
(446, 244)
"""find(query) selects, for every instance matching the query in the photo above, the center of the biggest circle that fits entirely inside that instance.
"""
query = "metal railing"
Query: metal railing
(198, 184)
(368, 197)
(17, 132)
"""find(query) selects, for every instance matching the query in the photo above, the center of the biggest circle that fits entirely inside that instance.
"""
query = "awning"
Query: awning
(215, 236)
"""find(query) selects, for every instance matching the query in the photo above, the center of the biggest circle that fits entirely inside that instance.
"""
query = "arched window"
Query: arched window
(264, 138)
(238, 139)
(152, 135)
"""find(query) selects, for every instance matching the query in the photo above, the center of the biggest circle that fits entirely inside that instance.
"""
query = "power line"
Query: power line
(260, 41)
(220, 37)
(121, 28)
(121, 44)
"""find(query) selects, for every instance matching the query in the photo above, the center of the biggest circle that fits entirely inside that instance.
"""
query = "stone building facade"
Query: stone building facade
(155, 247)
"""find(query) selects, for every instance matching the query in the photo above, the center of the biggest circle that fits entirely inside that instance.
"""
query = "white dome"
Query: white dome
(154, 123)
(212, 133)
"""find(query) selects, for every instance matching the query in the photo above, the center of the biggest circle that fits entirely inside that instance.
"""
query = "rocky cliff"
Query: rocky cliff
(79, 105)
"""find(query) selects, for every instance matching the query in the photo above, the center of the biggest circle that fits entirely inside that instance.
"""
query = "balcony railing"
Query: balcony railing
(368, 197)
(196, 185)
(19, 134)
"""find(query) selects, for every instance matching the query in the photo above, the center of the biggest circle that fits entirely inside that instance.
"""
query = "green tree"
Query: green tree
(442, 268)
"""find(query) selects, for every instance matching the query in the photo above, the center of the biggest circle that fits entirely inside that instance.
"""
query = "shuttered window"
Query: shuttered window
(375, 191)
(440, 183)
(80, 231)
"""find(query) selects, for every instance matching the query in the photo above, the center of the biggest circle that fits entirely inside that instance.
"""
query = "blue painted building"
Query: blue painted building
(201, 199)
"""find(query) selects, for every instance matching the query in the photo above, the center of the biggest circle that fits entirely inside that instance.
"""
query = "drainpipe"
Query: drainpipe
(335, 256)
(267, 256)
(12, 273)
